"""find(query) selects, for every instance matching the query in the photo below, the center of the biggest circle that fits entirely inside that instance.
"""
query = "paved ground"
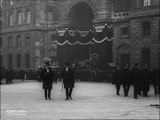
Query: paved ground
(24, 101)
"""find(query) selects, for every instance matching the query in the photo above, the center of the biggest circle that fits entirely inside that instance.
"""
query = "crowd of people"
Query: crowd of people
(96, 75)
(10, 74)
(140, 78)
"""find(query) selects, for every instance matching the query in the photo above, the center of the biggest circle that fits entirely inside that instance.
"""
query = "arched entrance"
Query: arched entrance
(80, 20)
(81, 16)
(80, 40)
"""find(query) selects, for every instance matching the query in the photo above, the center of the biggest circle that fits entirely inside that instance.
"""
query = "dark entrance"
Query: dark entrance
(145, 56)
(125, 59)
(80, 18)
(86, 42)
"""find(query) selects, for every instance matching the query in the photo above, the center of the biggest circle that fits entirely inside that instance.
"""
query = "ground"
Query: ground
(25, 101)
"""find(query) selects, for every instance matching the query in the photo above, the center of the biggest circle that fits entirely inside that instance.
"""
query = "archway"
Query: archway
(76, 37)
(81, 16)
(79, 19)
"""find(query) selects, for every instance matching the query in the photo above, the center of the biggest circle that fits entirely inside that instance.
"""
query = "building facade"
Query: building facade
(33, 29)
(136, 33)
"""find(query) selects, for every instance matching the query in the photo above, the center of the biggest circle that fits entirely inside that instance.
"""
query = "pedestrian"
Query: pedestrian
(146, 80)
(126, 80)
(140, 82)
(47, 77)
(117, 79)
(158, 80)
(68, 80)
(136, 74)
(9, 75)
(154, 76)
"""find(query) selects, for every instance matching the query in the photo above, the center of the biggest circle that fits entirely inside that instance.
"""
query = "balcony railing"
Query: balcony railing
(120, 15)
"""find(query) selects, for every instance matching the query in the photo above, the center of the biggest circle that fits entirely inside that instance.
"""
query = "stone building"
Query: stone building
(30, 30)
(136, 32)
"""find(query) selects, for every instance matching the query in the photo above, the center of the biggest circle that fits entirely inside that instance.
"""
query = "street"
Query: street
(25, 101)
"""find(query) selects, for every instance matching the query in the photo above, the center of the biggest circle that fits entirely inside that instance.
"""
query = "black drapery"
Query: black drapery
(104, 49)
(76, 48)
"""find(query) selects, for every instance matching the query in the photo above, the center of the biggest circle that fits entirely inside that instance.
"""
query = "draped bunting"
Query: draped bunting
(74, 37)
(72, 32)
(106, 38)
(72, 44)
(61, 32)
(83, 33)
(99, 28)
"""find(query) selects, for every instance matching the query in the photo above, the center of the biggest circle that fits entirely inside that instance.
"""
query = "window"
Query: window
(124, 32)
(50, 16)
(27, 41)
(9, 61)
(50, 1)
(10, 42)
(27, 60)
(11, 19)
(1, 3)
(146, 28)
(19, 18)
(28, 17)
(11, 2)
(18, 60)
(18, 42)
(145, 56)
(146, 2)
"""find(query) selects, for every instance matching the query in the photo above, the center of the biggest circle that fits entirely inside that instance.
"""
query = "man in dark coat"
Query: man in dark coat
(47, 77)
(117, 79)
(146, 80)
(126, 80)
(68, 80)
(156, 80)
(9, 75)
(136, 74)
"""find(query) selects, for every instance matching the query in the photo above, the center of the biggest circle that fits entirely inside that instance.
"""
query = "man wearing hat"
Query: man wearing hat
(47, 77)
(68, 80)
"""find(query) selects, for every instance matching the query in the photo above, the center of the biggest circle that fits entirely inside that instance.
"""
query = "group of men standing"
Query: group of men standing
(47, 75)
(139, 78)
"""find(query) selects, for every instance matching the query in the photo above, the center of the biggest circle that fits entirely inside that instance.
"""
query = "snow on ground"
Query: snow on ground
(25, 101)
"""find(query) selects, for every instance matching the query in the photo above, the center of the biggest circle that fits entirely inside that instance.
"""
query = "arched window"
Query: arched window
(28, 17)
(146, 2)
(27, 60)
(10, 19)
(27, 41)
(18, 42)
(19, 17)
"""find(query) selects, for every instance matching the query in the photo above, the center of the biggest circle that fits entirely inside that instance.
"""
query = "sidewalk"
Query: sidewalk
(25, 101)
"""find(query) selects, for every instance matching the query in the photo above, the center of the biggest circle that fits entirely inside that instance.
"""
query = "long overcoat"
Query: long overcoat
(146, 79)
(117, 79)
(126, 77)
(47, 78)
(68, 78)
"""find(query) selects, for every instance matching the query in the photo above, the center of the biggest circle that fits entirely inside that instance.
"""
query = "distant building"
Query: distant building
(32, 29)
(136, 32)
